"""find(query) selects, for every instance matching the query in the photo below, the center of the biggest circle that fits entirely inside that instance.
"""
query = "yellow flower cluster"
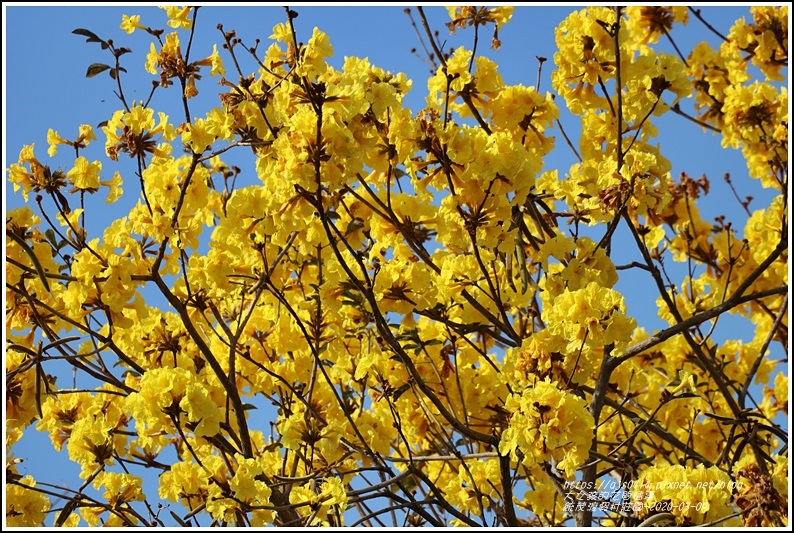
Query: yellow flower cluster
(478, 479)
(585, 57)
(694, 496)
(166, 394)
(646, 24)
(540, 428)
(25, 507)
(317, 500)
(753, 117)
(411, 291)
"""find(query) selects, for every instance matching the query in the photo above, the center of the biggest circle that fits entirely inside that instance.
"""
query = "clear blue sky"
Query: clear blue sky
(44, 86)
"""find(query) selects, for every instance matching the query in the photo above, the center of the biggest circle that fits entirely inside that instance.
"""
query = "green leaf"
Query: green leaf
(85, 33)
(400, 391)
(355, 224)
(96, 68)
(406, 484)
(114, 72)
(92, 37)
(51, 237)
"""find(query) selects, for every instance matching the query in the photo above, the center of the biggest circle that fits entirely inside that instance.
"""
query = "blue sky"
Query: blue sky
(45, 87)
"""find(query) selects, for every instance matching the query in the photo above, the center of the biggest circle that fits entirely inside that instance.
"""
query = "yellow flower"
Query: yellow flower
(647, 23)
(165, 58)
(92, 443)
(131, 23)
(317, 50)
(198, 136)
(502, 14)
(685, 383)
(458, 68)
(463, 16)
(693, 495)
(543, 499)
(85, 134)
(548, 423)
(25, 507)
(183, 480)
(152, 59)
(766, 37)
(281, 32)
(594, 315)
(220, 506)
(202, 409)
(84, 138)
(59, 413)
(482, 474)
(138, 119)
(217, 63)
(53, 139)
(120, 488)
(20, 406)
(84, 175)
(585, 57)
(331, 494)
(114, 187)
(220, 123)
(780, 394)
(91, 514)
(190, 87)
(248, 486)
(178, 16)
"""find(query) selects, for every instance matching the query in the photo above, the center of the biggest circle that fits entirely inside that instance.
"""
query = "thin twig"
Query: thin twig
(762, 352)
(696, 12)
(568, 140)
(677, 110)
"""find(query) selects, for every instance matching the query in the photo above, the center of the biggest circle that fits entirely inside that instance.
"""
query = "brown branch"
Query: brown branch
(762, 352)
(677, 110)
(466, 97)
(585, 517)
(693, 321)
(277, 497)
(697, 14)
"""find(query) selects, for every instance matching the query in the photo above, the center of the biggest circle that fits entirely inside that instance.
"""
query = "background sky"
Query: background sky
(44, 86)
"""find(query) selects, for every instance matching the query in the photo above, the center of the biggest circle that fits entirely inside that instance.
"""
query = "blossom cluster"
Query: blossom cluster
(409, 291)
